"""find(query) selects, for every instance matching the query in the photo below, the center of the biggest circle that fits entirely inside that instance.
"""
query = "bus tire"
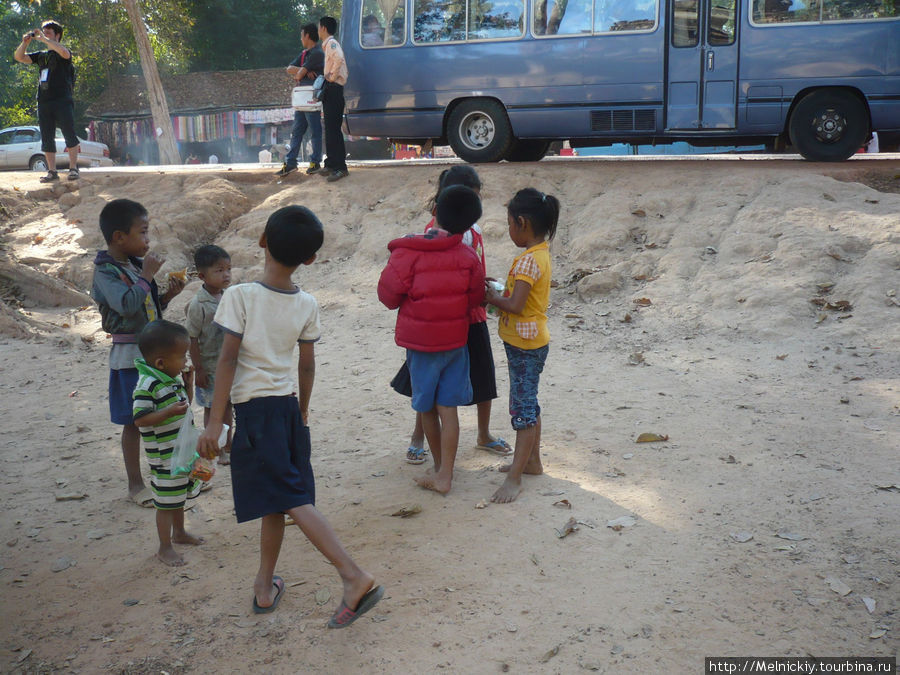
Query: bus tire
(828, 125)
(479, 131)
(526, 151)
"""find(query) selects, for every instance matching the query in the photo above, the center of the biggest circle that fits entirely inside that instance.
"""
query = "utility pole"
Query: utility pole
(162, 123)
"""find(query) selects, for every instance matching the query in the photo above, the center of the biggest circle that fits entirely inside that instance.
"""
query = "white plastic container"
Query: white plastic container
(302, 100)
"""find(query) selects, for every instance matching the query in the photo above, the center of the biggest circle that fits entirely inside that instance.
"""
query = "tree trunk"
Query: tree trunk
(165, 137)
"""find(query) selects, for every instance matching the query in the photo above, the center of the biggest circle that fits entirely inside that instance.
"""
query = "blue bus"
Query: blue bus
(501, 79)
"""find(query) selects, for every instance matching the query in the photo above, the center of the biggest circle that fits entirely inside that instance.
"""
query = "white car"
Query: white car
(20, 148)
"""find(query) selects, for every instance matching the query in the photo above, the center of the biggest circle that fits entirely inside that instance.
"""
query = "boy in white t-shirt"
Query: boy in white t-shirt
(270, 454)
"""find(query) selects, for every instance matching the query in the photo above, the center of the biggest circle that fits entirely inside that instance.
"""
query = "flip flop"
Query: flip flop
(144, 498)
(497, 447)
(344, 616)
(278, 583)
(415, 455)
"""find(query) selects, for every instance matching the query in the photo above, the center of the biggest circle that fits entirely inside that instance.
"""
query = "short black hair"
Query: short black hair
(119, 216)
(160, 337)
(329, 23)
(54, 26)
(457, 208)
(539, 209)
(208, 255)
(293, 235)
(458, 174)
(312, 31)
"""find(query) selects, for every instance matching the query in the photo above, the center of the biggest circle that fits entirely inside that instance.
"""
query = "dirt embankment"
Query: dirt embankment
(746, 310)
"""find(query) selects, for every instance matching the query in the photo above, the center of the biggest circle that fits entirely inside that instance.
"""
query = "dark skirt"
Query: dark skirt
(481, 367)
(270, 465)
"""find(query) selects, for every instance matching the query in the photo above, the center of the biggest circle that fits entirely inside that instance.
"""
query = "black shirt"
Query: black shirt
(314, 62)
(60, 83)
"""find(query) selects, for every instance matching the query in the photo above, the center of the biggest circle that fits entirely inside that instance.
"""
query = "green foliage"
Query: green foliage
(186, 36)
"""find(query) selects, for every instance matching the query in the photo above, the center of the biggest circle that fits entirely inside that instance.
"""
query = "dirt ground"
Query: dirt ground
(747, 310)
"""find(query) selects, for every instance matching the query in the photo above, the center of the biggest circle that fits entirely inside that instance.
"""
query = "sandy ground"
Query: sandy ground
(746, 310)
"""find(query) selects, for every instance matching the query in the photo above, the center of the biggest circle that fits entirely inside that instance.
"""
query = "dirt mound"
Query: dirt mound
(744, 311)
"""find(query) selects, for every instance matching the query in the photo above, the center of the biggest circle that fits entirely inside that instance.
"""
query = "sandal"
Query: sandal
(416, 455)
(497, 447)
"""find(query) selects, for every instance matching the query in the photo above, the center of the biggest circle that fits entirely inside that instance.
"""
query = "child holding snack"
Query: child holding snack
(214, 269)
(128, 300)
(160, 404)
(532, 217)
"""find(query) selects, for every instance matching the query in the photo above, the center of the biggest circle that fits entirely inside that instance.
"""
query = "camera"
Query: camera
(34, 33)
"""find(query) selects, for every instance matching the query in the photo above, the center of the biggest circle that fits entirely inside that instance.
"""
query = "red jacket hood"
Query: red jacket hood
(433, 240)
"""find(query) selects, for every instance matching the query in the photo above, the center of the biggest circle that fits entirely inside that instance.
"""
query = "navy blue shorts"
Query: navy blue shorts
(440, 378)
(270, 465)
(121, 389)
(525, 367)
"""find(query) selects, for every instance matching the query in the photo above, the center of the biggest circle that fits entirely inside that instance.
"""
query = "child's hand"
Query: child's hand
(179, 408)
(152, 263)
(176, 285)
(208, 443)
(201, 379)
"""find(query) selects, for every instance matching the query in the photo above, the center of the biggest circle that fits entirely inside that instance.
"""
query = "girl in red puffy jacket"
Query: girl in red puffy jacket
(481, 357)
(435, 280)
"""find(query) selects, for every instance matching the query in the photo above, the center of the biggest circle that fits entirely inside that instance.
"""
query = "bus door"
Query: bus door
(701, 90)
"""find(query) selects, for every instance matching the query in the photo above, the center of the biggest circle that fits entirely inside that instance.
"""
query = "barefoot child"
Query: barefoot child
(435, 280)
(270, 460)
(160, 404)
(128, 300)
(481, 357)
(214, 269)
(532, 218)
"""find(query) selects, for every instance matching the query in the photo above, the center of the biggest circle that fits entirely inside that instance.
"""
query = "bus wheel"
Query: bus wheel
(526, 151)
(828, 125)
(479, 131)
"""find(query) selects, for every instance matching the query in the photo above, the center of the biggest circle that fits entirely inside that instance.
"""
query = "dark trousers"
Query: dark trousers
(333, 111)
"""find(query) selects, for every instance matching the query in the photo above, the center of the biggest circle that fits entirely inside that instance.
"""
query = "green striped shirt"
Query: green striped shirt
(156, 390)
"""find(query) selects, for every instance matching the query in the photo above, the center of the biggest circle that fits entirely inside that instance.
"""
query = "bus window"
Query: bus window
(439, 21)
(624, 15)
(561, 17)
(383, 23)
(491, 20)
(722, 15)
(849, 10)
(684, 23)
(786, 11)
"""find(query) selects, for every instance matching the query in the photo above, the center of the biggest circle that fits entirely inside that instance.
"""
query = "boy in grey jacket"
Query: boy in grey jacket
(129, 299)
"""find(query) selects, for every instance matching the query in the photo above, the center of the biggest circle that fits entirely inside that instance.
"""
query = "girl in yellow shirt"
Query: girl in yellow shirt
(532, 217)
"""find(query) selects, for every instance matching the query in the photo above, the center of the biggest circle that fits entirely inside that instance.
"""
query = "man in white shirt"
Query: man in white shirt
(333, 101)
(265, 156)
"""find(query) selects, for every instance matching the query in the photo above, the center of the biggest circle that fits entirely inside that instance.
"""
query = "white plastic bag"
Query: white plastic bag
(185, 451)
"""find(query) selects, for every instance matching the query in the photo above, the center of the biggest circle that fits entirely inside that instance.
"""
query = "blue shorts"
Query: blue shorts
(203, 397)
(440, 378)
(121, 389)
(525, 366)
(270, 465)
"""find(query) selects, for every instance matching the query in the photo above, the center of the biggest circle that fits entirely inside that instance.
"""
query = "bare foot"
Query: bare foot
(434, 482)
(354, 589)
(224, 459)
(507, 492)
(169, 556)
(185, 537)
(532, 467)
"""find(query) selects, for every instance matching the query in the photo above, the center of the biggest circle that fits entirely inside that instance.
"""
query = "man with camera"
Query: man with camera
(55, 95)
